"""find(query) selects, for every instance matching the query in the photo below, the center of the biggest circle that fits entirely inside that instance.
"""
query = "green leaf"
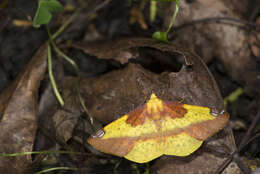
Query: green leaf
(44, 12)
(160, 36)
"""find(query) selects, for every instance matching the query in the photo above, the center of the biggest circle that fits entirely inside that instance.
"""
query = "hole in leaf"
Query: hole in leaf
(190, 1)
(158, 61)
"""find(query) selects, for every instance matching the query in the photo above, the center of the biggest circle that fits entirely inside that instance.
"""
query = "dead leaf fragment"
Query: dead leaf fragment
(137, 16)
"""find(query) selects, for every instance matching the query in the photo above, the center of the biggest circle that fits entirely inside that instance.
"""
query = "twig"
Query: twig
(249, 132)
(217, 20)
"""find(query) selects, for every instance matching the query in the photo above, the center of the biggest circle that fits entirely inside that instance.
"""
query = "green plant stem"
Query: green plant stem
(72, 62)
(174, 16)
(53, 83)
(81, 100)
(51, 39)
(60, 30)
(56, 168)
(153, 10)
(39, 152)
(147, 169)
(66, 24)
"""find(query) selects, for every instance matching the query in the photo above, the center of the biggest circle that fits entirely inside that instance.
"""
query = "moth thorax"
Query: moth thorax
(154, 105)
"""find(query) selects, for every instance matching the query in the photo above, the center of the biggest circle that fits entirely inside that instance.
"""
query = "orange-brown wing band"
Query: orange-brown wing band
(205, 129)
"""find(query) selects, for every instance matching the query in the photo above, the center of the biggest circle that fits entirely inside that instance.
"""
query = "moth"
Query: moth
(157, 128)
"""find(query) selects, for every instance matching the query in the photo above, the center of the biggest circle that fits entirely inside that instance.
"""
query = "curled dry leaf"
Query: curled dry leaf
(116, 93)
(18, 125)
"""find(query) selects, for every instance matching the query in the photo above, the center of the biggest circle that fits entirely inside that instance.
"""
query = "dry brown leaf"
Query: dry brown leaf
(19, 107)
(222, 40)
(117, 92)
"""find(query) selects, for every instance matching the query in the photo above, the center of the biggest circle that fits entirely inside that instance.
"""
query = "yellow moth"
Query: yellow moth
(157, 128)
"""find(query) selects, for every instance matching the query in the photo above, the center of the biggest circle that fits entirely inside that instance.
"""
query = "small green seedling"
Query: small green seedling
(44, 12)
(42, 17)
(162, 36)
